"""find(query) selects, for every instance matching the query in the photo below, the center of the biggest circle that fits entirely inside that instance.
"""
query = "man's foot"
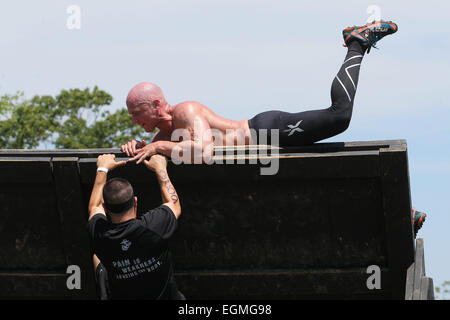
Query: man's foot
(418, 219)
(369, 34)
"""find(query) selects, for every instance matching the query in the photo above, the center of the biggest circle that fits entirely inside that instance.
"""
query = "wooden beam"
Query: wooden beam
(281, 284)
(397, 212)
(73, 217)
(25, 170)
(16, 285)
(320, 147)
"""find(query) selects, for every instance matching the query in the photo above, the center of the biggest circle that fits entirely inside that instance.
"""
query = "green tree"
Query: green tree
(74, 119)
(441, 293)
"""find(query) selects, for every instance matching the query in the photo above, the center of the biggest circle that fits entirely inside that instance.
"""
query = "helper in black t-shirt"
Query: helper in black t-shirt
(134, 254)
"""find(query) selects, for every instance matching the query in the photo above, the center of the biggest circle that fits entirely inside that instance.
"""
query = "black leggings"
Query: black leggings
(303, 128)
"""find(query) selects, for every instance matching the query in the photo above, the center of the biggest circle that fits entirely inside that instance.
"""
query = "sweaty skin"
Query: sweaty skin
(149, 109)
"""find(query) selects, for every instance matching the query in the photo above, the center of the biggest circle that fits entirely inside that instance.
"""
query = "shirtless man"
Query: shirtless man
(149, 109)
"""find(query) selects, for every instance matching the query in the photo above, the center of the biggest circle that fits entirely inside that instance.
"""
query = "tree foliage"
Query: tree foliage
(442, 292)
(74, 119)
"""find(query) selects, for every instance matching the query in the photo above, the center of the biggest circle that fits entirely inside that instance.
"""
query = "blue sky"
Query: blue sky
(243, 57)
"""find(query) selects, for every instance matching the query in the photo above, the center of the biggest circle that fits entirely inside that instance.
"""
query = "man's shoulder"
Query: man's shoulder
(186, 112)
(162, 209)
(160, 220)
(98, 218)
(188, 107)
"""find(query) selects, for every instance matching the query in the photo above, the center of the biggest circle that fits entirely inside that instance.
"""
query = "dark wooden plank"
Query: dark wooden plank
(317, 147)
(379, 143)
(397, 212)
(321, 147)
(356, 227)
(293, 166)
(35, 286)
(30, 235)
(295, 224)
(25, 170)
(281, 284)
(73, 215)
(87, 153)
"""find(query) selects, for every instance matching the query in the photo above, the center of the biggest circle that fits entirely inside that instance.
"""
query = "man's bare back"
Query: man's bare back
(192, 112)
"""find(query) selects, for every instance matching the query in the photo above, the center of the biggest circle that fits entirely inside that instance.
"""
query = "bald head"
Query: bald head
(144, 92)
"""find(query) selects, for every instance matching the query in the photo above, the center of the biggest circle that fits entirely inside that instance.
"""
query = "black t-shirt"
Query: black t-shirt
(135, 253)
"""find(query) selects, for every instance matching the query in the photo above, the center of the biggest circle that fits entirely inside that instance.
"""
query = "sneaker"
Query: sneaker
(370, 33)
(418, 219)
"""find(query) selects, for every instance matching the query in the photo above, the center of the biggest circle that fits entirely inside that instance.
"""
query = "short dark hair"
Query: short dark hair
(118, 195)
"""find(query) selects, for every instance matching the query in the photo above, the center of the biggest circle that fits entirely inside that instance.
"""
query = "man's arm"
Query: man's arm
(158, 164)
(96, 201)
(196, 145)
(131, 146)
(189, 151)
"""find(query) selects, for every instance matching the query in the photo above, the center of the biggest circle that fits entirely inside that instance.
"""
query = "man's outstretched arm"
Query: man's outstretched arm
(158, 164)
(196, 144)
(95, 202)
(130, 147)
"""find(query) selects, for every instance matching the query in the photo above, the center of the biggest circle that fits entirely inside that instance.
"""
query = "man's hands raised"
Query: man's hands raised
(157, 162)
(144, 153)
(131, 147)
(95, 202)
(107, 161)
(138, 150)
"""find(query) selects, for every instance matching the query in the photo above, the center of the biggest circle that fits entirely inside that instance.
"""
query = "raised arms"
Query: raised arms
(158, 164)
(95, 202)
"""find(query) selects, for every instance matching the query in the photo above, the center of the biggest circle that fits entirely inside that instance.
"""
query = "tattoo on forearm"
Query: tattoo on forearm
(170, 189)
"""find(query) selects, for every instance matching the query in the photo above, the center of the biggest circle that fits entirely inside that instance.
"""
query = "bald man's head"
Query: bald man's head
(148, 107)
(145, 92)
